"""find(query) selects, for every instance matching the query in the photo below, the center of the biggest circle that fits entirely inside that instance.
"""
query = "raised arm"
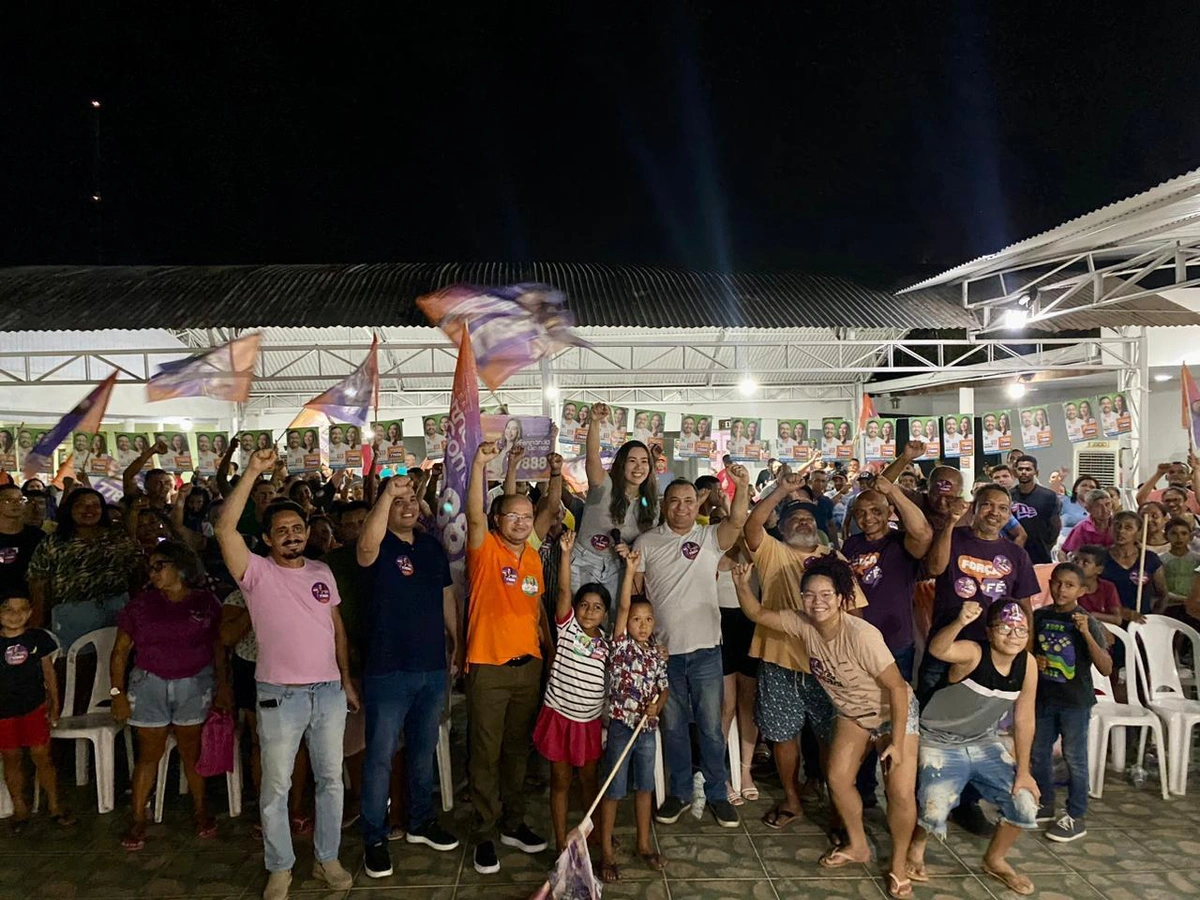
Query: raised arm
(193, 539)
(945, 646)
(374, 528)
(1099, 651)
(515, 455)
(223, 468)
(621, 625)
(233, 547)
(731, 526)
(553, 498)
(918, 534)
(1148, 486)
(562, 604)
(129, 476)
(593, 464)
(913, 450)
(754, 610)
(477, 524)
(938, 557)
(756, 522)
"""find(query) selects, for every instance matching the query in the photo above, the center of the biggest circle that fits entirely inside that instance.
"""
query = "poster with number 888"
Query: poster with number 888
(531, 432)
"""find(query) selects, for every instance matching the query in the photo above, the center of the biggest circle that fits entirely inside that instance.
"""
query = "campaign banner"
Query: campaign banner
(89, 453)
(692, 443)
(836, 439)
(879, 440)
(1080, 420)
(1114, 415)
(302, 450)
(8, 448)
(531, 432)
(29, 437)
(745, 443)
(791, 440)
(390, 434)
(178, 457)
(926, 431)
(435, 439)
(997, 431)
(1035, 427)
(345, 446)
(210, 447)
(572, 427)
(129, 446)
(648, 426)
(249, 442)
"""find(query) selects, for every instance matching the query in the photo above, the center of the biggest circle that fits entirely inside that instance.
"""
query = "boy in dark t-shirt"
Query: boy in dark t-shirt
(28, 707)
(1067, 641)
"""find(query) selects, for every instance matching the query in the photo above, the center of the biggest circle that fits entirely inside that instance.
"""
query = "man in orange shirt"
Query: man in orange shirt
(504, 664)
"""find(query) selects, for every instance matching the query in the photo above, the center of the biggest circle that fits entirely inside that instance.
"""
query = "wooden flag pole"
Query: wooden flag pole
(1142, 564)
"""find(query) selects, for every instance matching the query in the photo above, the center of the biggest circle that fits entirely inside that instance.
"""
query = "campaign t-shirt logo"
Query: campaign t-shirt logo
(529, 585)
(1003, 565)
(509, 575)
(965, 587)
(405, 565)
(994, 588)
(690, 549)
(8, 555)
(866, 567)
(822, 673)
(320, 592)
(1024, 510)
(1135, 578)
(601, 541)
(16, 654)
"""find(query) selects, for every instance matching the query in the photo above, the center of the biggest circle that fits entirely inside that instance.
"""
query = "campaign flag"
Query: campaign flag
(1191, 405)
(224, 373)
(509, 327)
(462, 440)
(867, 412)
(350, 400)
(86, 416)
(572, 877)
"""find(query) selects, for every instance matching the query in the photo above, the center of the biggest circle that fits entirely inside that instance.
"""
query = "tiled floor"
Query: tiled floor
(1138, 846)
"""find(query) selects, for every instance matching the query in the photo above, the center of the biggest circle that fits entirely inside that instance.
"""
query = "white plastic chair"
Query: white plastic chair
(1167, 699)
(1108, 715)
(233, 779)
(96, 725)
(732, 741)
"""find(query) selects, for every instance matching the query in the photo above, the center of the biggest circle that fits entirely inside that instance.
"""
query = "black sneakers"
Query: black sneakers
(377, 860)
(524, 838)
(485, 859)
(432, 834)
(670, 810)
(724, 813)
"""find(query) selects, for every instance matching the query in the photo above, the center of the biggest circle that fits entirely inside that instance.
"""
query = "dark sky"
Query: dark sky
(862, 142)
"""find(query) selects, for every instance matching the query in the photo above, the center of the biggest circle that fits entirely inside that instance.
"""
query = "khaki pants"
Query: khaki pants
(502, 705)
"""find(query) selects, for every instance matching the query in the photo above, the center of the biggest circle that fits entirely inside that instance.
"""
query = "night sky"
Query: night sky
(866, 143)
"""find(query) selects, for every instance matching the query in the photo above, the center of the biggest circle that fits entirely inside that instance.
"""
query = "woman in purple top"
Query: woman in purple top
(180, 664)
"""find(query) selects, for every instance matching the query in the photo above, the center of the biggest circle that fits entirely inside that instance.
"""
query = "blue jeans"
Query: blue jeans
(947, 769)
(315, 713)
(412, 701)
(1072, 724)
(696, 692)
(637, 767)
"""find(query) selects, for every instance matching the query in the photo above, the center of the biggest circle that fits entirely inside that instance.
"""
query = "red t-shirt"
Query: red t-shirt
(1102, 600)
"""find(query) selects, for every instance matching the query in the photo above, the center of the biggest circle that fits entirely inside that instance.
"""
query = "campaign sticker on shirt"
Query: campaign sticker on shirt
(1133, 576)
(1024, 511)
(601, 541)
(529, 585)
(866, 567)
(1003, 565)
(690, 549)
(8, 555)
(994, 588)
(320, 592)
(965, 587)
(509, 574)
(405, 565)
(16, 654)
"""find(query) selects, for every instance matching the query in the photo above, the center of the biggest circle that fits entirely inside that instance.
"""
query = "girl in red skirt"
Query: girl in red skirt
(568, 727)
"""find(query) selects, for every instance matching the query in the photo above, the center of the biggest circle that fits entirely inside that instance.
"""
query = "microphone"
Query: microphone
(615, 534)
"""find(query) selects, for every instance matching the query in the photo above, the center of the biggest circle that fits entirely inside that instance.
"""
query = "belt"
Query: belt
(519, 660)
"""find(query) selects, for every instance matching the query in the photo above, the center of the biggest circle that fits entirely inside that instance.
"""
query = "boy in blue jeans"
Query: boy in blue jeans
(637, 686)
(1067, 641)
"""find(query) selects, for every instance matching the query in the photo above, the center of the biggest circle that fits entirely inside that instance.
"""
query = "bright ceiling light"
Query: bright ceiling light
(185, 424)
(1015, 391)
(551, 392)
(1015, 318)
(367, 433)
(1161, 377)
(748, 386)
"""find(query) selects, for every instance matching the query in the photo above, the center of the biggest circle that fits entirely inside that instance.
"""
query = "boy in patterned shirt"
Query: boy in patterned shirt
(637, 686)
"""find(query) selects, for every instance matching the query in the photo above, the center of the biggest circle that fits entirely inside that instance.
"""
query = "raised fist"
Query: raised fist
(970, 611)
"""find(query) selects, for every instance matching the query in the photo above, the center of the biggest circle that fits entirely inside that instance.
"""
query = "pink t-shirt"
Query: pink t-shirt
(292, 614)
(172, 640)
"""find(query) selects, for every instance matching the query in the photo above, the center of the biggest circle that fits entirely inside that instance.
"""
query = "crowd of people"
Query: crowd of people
(598, 623)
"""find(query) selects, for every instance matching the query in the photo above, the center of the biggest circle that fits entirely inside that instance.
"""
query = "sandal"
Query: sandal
(916, 872)
(779, 818)
(206, 828)
(135, 838)
(64, 820)
(900, 888)
(609, 873)
(750, 794)
(1014, 881)
(655, 861)
(837, 858)
(734, 798)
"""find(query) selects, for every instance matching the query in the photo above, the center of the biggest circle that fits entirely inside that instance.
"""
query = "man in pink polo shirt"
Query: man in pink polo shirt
(303, 676)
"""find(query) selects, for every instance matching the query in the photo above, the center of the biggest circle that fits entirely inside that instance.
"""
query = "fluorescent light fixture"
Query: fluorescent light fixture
(185, 424)
(1161, 377)
(1015, 318)
(1015, 391)
(551, 392)
(748, 386)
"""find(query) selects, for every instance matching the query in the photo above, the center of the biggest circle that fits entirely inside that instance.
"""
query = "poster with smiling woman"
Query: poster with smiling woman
(648, 426)
(390, 434)
(745, 444)
(997, 431)
(692, 443)
(791, 440)
(8, 448)
(1080, 420)
(531, 432)
(210, 447)
(178, 458)
(345, 446)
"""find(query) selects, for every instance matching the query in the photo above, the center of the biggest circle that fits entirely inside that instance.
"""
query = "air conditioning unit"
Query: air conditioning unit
(1099, 459)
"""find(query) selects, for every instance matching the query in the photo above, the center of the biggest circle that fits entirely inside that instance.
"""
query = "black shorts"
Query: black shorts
(245, 693)
(736, 633)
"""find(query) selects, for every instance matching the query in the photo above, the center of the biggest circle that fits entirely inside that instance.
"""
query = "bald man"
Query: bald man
(945, 483)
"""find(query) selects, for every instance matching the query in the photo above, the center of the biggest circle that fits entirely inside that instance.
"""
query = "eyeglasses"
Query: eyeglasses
(18, 500)
(813, 596)
(517, 517)
(158, 565)
(1019, 630)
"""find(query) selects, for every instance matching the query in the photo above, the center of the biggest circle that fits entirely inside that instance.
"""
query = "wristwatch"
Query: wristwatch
(114, 692)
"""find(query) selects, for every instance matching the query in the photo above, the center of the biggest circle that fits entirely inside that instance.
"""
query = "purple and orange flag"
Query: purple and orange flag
(223, 373)
(87, 415)
(1190, 403)
(350, 400)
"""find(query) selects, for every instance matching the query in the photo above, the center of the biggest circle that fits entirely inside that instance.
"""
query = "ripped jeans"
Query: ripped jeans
(945, 769)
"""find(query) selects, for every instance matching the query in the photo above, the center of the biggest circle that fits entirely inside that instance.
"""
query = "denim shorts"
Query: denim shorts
(945, 769)
(786, 699)
(640, 759)
(159, 702)
(912, 721)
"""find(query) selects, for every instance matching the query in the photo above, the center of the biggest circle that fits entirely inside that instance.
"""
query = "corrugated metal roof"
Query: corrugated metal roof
(383, 294)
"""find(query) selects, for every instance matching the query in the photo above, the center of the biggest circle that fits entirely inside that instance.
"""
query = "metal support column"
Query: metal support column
(1135, 384)
(966, 464)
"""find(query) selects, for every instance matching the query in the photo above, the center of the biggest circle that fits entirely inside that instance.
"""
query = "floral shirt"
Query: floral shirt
(636, 675)
(76, 569)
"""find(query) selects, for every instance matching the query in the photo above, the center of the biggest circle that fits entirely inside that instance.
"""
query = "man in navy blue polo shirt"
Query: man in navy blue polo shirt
(409, 611)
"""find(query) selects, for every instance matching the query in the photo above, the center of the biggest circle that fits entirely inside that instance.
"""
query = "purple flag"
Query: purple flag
(463, 440)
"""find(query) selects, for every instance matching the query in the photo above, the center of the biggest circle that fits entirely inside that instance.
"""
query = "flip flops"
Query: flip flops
(779, 818)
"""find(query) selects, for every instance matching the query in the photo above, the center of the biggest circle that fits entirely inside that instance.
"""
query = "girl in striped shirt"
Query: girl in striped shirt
(568, 727)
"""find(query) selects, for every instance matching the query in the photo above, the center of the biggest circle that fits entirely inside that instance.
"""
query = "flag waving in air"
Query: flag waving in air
(350, 400)
(867, 412)
(87, 416)
(509, 327)
(223, 373)
(463, 438)
(1190, 406)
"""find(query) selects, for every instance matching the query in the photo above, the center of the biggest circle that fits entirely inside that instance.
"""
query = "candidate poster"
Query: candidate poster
(791, 440)
(390, 435)
(836, 439)
(129, 446)
(952, 437)
(28, 438)
(178, 458)
(8, 448)
(997, 431)
(926, 430)
(210, 448)
(90, 453)
(572, 426)
(1035, 427)
(435, 439)
(648, 426)
(302, 450)
(531, 432)
(745, 443)
(879, 440)
(1080, 420)
(345, 446)
(249, 442)
(690, 444)
(1113, 415)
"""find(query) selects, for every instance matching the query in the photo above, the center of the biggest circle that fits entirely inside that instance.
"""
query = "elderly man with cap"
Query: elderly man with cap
(789, 696)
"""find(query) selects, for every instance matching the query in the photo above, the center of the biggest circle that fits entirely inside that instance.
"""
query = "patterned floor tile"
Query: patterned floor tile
(797, 856)
(823, 889)
(1032, 853)
(710, 856)
(721, 889)
(1147, 885)
(1048, 887)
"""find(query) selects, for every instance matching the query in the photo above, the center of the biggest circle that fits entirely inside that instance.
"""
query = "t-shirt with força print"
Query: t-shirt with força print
(983, 571)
